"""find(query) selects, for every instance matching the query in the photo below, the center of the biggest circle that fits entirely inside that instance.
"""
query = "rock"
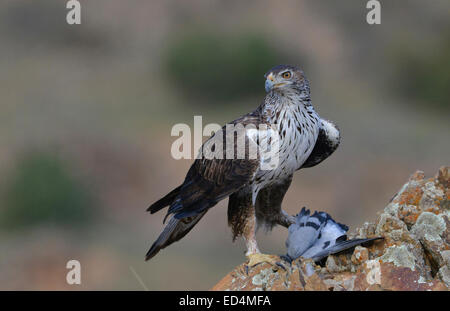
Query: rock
(360, 255)
(400, 256)
(415, 254)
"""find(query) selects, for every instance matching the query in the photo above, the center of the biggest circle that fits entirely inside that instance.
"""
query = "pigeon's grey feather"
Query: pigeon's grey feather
(330, 232)
(304, 233)
(339, 247)
(316, 236)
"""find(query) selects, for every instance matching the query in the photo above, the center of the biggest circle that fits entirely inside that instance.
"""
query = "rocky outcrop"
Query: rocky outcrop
(414, 255)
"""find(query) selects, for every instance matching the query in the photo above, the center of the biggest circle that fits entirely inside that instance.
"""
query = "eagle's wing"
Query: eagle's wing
(327, 142)
(173, 231)
(210, 180)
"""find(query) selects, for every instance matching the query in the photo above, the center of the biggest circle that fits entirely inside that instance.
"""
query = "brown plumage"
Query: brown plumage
(207, 182)
(255, 193)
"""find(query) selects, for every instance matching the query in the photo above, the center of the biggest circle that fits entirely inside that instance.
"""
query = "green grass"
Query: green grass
(41, 190)
(220, 67)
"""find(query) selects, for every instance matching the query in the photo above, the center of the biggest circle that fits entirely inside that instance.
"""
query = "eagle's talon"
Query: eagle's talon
(286, 258)
(279, 264)
(258, 258)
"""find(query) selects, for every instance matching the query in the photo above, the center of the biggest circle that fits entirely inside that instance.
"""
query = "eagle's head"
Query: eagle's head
(286, 78)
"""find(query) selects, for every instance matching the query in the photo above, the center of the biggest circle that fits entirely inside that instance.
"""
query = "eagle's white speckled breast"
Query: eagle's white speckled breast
(298, 127)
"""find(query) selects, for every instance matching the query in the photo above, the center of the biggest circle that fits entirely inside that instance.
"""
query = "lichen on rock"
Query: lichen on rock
(400, 256)
(414, 255)
(429, 227)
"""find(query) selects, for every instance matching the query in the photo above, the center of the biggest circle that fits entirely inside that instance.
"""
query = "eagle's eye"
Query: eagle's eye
(286, 74)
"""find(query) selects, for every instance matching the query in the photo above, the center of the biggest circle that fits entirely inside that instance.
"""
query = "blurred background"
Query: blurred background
(86, 113)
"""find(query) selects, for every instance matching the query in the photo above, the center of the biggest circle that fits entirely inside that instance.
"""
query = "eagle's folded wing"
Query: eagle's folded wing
(327, 142)
(210, 180)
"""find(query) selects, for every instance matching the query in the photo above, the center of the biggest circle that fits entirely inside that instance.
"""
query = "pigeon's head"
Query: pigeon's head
(284, 78)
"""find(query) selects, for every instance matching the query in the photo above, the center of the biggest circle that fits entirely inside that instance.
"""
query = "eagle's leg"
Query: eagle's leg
(253, 254)
(249, 234)
(242, 220)
(285, 220)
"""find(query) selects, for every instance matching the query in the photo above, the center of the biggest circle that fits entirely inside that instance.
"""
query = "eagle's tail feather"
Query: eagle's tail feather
(165, 201)
(173, 231)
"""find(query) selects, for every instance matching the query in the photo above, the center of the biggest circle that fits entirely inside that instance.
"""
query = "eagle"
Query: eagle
(255, 190)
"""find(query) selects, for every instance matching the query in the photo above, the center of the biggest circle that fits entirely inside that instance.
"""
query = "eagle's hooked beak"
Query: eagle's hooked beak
(269, 82)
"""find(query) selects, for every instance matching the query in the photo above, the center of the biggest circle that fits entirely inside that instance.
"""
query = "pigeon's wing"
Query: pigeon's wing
(318, 236)
(340, 247)
(304, 233)
(326, 143)
(331, 232)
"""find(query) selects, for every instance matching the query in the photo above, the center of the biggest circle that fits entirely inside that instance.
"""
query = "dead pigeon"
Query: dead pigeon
(318, 235)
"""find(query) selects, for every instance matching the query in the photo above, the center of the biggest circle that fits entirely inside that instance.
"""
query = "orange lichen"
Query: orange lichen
(418, 176)
(411, 196)
(410, 218)
(410, 257)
